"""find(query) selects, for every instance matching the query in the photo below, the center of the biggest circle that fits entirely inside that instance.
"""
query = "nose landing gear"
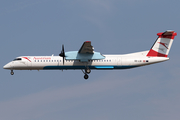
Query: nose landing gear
(12, 73)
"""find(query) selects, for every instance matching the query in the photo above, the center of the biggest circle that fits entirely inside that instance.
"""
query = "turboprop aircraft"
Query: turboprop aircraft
(86, 59)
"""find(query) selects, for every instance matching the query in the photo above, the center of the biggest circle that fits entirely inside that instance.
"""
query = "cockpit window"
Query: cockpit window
(17, 59)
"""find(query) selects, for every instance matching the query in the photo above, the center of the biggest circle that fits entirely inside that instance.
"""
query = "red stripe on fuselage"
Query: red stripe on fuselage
(26, 58)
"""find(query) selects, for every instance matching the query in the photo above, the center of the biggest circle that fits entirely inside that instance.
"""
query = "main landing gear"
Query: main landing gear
(12, 73)
(86, 76)
(86, 72)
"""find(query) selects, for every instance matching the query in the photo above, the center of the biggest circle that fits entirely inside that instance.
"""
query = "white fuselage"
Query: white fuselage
(87, 59)
(56, 62)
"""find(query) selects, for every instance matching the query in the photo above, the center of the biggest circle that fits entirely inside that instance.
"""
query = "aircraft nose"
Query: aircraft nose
(7, 66)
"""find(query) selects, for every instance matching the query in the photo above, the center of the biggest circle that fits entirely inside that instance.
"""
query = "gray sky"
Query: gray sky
(40, 27)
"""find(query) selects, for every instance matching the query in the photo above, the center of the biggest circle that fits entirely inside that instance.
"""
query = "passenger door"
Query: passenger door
(119, 62)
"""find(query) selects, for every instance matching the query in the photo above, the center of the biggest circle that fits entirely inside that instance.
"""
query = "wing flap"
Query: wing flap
(85, 53)
(74, 55)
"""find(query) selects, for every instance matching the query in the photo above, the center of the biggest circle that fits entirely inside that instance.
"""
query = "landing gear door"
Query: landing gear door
(119, 61)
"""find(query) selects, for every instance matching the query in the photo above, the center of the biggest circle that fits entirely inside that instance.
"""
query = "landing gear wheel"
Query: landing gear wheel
(87, 71)
(12, 73)
(86, 76)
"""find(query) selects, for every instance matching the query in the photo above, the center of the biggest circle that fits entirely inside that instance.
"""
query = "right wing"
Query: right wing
(86, 48)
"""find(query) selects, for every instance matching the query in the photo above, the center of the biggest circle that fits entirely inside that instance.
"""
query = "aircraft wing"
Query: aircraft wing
(85, 53)
(86, 48)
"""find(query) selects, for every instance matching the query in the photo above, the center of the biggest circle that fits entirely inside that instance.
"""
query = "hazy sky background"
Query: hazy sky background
(40, 27)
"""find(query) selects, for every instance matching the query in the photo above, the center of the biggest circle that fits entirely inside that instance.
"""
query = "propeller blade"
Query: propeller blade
(63, 49)
(62, 54)
(63, 60)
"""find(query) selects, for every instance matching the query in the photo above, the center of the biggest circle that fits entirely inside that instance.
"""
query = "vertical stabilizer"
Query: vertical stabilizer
(162, 45)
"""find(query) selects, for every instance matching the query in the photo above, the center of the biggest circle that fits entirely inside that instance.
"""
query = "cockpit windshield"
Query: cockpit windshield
(17, 59)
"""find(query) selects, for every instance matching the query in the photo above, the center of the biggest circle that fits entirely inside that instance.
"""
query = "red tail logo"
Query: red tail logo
(164, 44)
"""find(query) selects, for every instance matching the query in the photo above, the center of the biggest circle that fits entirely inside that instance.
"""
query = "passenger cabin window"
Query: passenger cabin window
(17, 59)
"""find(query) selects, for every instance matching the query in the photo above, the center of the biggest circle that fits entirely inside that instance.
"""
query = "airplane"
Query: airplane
(86, 59)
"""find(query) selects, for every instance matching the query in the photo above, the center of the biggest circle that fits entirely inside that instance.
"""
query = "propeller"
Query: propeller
(62, 54)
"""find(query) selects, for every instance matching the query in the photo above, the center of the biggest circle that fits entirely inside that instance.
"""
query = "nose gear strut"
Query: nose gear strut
(12, 73)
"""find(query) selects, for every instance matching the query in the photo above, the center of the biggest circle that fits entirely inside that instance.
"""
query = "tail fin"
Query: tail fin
(162, 45)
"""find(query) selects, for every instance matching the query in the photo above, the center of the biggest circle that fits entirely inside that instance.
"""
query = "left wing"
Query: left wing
(86, 48)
